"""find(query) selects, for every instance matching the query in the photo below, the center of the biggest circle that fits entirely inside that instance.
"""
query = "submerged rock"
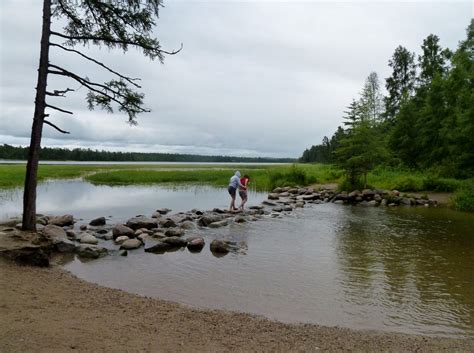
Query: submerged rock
(220, 246)
(159, 248)
(142, 222)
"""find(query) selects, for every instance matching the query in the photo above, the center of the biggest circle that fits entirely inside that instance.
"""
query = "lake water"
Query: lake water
(404, 269)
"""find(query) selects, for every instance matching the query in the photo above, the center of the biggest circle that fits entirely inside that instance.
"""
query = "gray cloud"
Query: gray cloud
(254, 78)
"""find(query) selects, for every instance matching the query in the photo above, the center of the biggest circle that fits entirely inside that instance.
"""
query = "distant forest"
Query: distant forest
(425, 121)
(80, 154)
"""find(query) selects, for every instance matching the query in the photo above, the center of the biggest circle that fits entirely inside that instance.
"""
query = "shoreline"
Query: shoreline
(51, 310)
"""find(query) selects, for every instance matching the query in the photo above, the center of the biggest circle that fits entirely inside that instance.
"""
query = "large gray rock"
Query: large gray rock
(207, 219)
(91, 251)
(120, 230)
(174, 232)
(175, 241)
(52, 231)
(195, 243)
(159, 248)
(131, 244)
(220, 246)
(268, 203)
(163, 211)
(273, 196)
(167, 223)
(65, 220)
(119, 240)
(64, 245)
(218, 224)
(100, 221)
(188, 225)
(142, 222)
(87, 238)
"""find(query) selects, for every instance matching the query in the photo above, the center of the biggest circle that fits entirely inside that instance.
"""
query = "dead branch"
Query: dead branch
(59, 93)
(59, 109)
(57, 128)
(128, 79)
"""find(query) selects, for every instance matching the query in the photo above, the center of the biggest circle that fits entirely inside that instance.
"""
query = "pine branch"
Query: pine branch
(57, 128)
(59, 109)
(59, 93)
(155, 50)
(128, 79)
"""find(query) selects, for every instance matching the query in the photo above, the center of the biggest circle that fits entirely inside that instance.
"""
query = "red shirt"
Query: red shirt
(244, 181)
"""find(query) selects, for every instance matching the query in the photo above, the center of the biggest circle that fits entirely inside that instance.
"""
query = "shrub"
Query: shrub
(440, 184)
(408, 183)
(463, 199)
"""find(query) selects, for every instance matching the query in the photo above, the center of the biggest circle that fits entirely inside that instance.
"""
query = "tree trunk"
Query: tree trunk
(29, 196)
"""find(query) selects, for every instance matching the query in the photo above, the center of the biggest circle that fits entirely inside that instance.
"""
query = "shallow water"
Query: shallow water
(86, 201)
(404, 270)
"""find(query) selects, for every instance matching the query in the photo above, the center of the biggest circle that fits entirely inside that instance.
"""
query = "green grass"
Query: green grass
(463, 199)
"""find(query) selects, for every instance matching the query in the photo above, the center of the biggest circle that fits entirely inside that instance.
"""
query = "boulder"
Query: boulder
(195, 243)
(372, 203)
(240, 219)
(53, 231)
(287, 208)
(209, 218)
(158, 235)
(87, 238)
(119, 240)
(268, 203)
(142, 222)
(120, 230)
(188, 225)
(163, 211)
(131, 244)
(277, 190)
(83, 227)
(219, 210)
(167, 223)
(175, 241)
(218, 224)
(64, 245)
(220, 246)
(174, 232)
(159, 248)
(65, 220)
(299, 204)
(143, 237)
(100, 221)
(91, 251)
(70, 234)
(273, 196)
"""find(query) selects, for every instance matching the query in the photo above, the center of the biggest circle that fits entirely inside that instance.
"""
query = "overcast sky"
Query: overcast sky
(255, 78)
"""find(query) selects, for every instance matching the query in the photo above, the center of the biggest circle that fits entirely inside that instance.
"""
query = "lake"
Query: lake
(403, 269)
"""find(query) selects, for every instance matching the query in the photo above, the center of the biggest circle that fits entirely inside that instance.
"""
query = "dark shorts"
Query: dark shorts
(243, 194)
(232, 191)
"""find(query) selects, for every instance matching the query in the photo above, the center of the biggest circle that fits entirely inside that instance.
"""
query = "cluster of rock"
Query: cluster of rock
(369, 197)
(163, 232)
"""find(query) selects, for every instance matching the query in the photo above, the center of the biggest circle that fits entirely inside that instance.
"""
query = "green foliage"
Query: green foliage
(82, 154)
(464, 198)
(293, 177)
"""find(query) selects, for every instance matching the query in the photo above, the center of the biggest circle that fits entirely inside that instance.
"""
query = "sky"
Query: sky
(254, 78)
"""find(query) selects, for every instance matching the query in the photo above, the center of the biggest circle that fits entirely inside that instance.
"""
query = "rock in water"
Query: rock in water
(88, 239)
(119, 240)
(131, 244)
(220, 246)
(100, 221)
(174, 232)
(218, 224)
(175, 241)
(159, 248)
(142, 222)
(120, 230)
(90, 251)
(52, 231)
(66, 220)
(195, 243)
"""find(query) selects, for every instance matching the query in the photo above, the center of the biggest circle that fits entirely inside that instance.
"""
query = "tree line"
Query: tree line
(83, 154)
(425, 121)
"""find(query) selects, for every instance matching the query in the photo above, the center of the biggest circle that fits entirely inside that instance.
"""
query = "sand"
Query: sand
(50, 310)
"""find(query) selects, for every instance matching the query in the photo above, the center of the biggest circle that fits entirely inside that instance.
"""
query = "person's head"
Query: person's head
(237, 173)
(246, 177)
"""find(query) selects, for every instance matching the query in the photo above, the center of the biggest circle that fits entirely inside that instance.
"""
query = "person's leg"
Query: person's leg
(232, 192)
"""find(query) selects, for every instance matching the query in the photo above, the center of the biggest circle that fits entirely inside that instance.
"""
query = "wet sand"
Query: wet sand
(50, 310)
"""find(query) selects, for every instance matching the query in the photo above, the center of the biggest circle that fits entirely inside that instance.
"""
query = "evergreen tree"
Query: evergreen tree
(433, 60)
(125, 24)
(401, 83)
(371, 103)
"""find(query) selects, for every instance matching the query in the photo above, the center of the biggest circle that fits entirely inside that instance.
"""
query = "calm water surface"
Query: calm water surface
(401, 269)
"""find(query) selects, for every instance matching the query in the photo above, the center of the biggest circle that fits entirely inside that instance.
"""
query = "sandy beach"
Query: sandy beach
(50, 310)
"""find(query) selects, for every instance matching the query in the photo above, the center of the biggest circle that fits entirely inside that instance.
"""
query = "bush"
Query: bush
(293, 177)
(463, 199)
(408, 183)
(440, 184)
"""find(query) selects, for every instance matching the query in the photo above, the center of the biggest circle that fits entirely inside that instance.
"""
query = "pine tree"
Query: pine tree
(123, 25)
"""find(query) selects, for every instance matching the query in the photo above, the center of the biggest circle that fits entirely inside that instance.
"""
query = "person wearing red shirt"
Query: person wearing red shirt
(243, 190)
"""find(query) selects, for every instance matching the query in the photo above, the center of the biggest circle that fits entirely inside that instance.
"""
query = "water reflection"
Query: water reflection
(409, 265)
(85, 200)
